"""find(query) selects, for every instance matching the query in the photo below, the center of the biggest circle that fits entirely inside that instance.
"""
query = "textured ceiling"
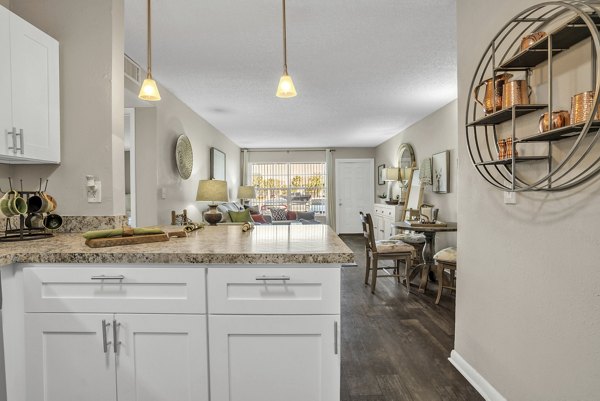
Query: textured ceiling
(364, 69)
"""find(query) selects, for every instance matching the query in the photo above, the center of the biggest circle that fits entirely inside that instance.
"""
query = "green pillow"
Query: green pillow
(240, 217)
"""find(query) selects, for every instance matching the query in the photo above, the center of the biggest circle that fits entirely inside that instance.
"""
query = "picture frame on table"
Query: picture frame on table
(440, 169)
(380, 169)
(218, 162)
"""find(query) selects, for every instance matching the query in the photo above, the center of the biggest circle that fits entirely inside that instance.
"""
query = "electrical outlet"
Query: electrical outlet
(94, 194)
(510, 198)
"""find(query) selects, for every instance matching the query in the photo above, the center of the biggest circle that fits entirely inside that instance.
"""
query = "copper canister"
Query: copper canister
(530, 40)
(501, 149)
(581, 107)
(560, 119)
(515, 92)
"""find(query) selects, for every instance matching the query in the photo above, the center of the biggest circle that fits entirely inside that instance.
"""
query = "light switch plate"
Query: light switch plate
(510, 198)
(94, 194)
(163, 193)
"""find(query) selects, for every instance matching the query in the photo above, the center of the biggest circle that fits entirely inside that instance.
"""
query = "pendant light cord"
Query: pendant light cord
(284, 40)
(150, 40)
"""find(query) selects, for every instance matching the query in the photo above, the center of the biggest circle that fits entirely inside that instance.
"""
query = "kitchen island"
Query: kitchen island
(220, 315)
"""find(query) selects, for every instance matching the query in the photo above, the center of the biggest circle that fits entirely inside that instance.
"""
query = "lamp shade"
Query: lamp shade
(391, 174)
(149, 90)
(286, 87)
(246, 192)
(212, 191)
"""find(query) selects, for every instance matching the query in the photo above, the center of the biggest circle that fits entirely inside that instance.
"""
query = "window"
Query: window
(295, 186)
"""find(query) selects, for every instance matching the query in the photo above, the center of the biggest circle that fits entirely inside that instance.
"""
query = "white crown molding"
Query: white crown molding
(484, 388)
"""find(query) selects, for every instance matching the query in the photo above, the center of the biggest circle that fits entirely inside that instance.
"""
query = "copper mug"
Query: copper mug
(560, 119)
(493, 96)
(515, 92)
(581, 107)
(530, 40)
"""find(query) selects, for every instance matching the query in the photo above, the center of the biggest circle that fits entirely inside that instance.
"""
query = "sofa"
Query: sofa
(279, 216)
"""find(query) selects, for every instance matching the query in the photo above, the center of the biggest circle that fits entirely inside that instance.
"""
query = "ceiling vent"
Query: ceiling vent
(133, 71)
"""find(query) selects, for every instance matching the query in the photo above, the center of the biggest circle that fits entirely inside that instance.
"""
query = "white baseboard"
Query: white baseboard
(484, 388)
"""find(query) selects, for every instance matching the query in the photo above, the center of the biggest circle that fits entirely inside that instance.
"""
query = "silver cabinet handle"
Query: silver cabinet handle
(21, 141)
(335, 338)
(115, 342)
(273, 278)
(103, 277)
(105, 343)
(14, 140)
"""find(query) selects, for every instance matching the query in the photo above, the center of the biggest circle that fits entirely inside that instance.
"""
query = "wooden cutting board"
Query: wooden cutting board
(131, 240)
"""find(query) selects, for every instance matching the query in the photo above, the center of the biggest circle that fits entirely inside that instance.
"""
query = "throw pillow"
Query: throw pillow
(240, 217)
(306, 215)
(292, 215)
(259, 218)
(278, 214)
(253, 209)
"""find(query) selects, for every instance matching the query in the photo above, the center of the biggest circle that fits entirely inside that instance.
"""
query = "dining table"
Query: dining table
(429, 230)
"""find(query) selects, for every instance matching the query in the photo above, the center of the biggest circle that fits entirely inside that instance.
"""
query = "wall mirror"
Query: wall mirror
(217, 164)
(406, 160)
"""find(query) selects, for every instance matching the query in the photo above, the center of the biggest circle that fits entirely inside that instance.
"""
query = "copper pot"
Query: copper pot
(530, 40)
(581, 107)
(515, 92)
(493, 96)
(560, 119)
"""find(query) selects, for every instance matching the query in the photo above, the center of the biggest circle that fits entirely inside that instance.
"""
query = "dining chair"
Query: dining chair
(394, 250)
(445, 260)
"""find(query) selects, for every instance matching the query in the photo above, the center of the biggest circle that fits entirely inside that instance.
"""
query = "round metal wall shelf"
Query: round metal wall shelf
(567, 23)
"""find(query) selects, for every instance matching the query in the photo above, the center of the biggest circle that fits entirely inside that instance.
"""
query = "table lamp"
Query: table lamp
(212, 191)
(246, 192)
(390, 174)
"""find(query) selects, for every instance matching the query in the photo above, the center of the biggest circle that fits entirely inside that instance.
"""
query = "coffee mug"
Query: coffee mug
(34, 220)
(37, 203)
(51, 203)
(12, 204)
(53, 222)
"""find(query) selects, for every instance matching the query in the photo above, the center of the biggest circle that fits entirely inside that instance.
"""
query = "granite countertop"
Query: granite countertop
(220, 244)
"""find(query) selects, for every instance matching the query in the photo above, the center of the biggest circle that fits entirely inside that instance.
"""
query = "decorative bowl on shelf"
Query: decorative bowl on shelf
(392, 202)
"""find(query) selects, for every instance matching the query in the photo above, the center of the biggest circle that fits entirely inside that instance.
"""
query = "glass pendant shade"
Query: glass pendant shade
(286, 87)
(149, 90)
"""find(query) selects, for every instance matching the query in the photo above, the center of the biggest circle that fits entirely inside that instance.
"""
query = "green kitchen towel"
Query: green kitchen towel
(119, 232)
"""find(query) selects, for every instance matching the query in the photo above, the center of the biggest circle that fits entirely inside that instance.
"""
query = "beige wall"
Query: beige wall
(90, 33)
(435, 133)
(157, 130)
(528, 303)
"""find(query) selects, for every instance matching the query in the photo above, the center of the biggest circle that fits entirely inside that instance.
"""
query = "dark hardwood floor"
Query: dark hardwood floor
(394, 345)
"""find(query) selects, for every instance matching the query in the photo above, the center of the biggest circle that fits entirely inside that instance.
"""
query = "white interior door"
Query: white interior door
(274, 358)
(162, 358)
(354, 190)
(65, 358)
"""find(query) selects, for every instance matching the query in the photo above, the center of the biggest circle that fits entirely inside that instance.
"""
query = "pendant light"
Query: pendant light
(149, 90)
(286, 88)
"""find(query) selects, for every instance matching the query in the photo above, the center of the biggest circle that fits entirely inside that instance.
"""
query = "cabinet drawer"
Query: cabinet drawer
(273, 290)
(101, 288)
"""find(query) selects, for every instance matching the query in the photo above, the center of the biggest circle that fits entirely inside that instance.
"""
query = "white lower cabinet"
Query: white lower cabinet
(156, 357)
(274, 358)
(65, 358)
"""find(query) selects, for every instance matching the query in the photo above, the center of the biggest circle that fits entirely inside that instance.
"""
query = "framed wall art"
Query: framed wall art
(380, 169)
(217, 164)
(440, 169)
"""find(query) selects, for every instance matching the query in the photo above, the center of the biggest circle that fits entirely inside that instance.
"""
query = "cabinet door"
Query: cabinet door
(274, 358)
(162, 358)
(65, 358)
(387, 227)
(5, 86)
(35, 91)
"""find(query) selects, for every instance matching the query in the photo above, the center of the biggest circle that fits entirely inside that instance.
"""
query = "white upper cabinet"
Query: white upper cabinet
(30, 93)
